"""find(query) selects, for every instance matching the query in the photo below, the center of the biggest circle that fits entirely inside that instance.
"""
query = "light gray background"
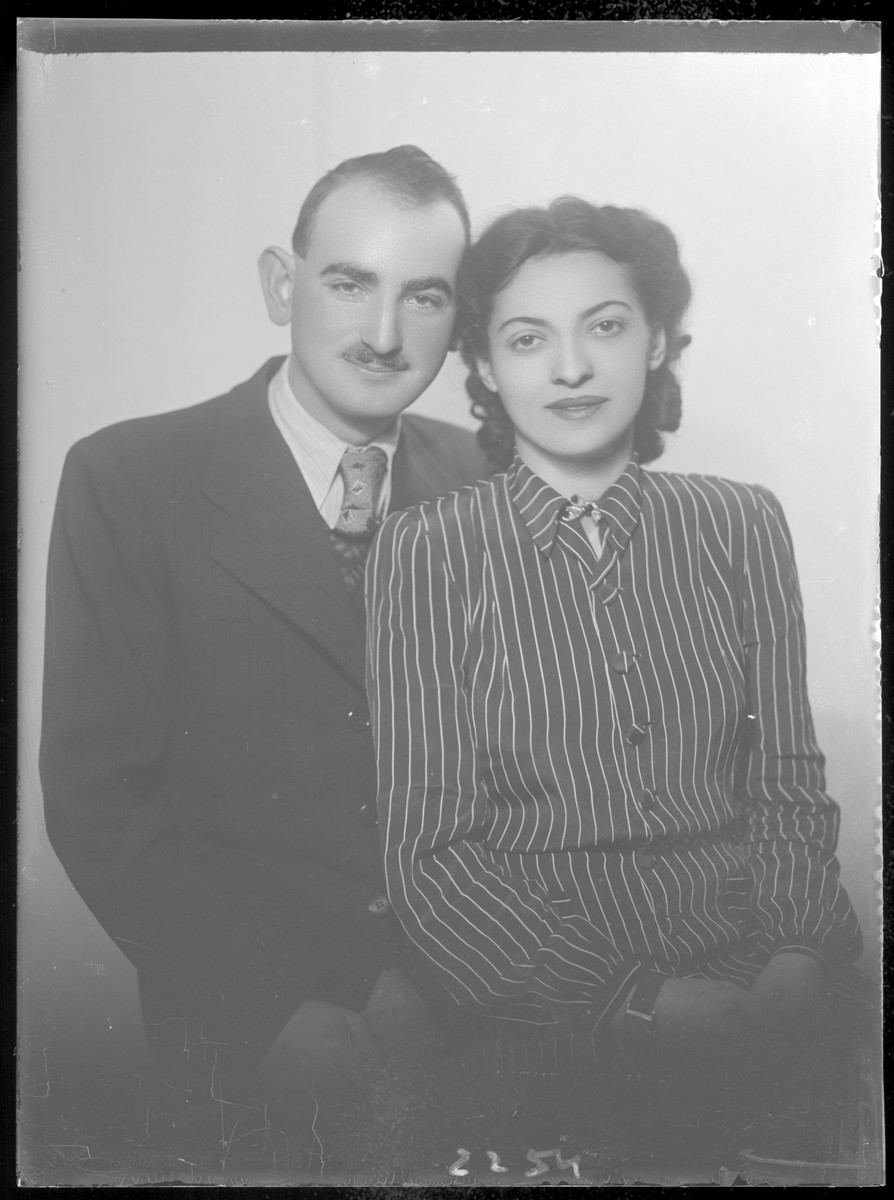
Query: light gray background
(150, 183)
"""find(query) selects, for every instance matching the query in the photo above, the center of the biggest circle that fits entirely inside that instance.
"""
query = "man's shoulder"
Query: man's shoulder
(441, 434)
(161, 440)
(143, 434)
(456, 448)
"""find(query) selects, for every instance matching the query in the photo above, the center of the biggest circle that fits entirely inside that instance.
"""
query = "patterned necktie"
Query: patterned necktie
(363, 471)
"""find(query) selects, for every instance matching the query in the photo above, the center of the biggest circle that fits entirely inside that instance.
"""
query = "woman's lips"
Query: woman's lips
(575, 407)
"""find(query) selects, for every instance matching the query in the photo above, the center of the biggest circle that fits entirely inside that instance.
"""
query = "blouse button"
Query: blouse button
(358, 718)
(379, 906)
(368, 815)
(622, 662)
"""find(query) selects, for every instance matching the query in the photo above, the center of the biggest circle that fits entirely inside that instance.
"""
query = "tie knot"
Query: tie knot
(578, 508)
(363, 471)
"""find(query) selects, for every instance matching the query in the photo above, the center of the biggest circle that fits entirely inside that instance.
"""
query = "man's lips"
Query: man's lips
(376, 367)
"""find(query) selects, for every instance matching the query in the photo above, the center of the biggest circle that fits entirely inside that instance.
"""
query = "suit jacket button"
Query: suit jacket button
(647, 802)
(622, 661)
(379, 906)
(358, 718)
(635, 735)
(643, 860)
(368, 815)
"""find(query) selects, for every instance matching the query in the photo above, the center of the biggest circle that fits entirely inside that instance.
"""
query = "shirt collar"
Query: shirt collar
(539, 504)
(315, 448)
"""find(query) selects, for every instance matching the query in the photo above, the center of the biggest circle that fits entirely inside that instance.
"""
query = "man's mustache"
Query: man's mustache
(366, 357)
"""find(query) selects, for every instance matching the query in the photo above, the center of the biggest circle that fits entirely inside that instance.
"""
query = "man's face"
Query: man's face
(372, 307)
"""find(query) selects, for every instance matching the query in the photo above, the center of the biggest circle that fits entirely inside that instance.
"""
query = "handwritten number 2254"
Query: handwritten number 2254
(534, 1156)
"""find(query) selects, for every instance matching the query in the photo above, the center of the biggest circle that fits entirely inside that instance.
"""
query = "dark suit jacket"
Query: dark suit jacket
(206, 758)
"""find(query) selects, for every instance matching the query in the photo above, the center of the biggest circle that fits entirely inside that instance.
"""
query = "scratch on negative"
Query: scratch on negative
(465, 104)
(313, 1129)
(46, 1086)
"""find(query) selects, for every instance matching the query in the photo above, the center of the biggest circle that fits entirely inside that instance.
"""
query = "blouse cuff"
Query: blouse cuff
(617, 989)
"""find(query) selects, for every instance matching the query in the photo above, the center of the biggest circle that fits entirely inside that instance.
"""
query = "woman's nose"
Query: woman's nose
(571, 367)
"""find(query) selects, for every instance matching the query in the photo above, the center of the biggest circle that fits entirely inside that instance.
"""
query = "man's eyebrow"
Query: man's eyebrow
(351, 271)
(590, 312)
(370, 279)
(429, 283)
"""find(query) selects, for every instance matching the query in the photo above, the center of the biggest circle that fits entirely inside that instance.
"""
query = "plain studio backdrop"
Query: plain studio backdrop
(151, 182)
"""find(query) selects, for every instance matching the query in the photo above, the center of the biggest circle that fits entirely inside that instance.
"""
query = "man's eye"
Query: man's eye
(346, 287)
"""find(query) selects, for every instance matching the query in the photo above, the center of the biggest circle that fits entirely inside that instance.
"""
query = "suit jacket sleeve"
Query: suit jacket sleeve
(109, 649)
(793, 823)
(493, 939)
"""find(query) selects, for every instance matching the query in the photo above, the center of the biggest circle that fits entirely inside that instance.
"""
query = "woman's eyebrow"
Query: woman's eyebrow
(583, 316)
(526, 320)
(605, 304)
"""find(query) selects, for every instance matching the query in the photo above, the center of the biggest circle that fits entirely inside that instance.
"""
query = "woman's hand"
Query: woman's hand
(791, 988)
(689, 1012)
(786, 999)
(711, 1014)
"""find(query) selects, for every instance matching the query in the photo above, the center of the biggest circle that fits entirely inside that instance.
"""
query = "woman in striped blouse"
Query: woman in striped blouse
(601, 800)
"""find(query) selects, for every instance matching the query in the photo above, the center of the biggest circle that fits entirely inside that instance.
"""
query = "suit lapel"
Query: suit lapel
(418, 473)
(274, 540)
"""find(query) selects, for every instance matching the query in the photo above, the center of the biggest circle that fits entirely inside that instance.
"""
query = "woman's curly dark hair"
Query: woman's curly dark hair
(648, 250)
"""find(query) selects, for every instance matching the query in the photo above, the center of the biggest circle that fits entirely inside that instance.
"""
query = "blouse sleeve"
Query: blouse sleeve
(492, 938)
(793, 824)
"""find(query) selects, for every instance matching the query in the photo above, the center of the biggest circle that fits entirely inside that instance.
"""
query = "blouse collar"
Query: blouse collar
(539, 504)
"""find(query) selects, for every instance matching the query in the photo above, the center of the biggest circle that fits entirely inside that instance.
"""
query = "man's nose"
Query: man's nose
(571, 366)
(382, 330)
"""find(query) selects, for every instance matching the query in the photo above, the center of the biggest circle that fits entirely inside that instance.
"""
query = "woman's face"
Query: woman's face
(569, 353)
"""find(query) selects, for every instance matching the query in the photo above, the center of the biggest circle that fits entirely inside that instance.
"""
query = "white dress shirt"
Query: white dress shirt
(317, 450)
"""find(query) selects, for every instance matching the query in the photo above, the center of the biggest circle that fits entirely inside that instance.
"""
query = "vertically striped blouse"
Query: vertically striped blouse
(593, 764)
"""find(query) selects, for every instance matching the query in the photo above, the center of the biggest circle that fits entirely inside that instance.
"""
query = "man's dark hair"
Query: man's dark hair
(406, 173)
(644, 246)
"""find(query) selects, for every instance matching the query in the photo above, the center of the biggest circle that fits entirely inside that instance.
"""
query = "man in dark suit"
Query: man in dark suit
(206, 758)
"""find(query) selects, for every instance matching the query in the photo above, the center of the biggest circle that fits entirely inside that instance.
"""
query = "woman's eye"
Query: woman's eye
(524, 341)
(608, 326)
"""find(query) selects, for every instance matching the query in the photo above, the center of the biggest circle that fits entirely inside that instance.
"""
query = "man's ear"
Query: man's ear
(658, 351)
(486, 373)
(277, 270)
